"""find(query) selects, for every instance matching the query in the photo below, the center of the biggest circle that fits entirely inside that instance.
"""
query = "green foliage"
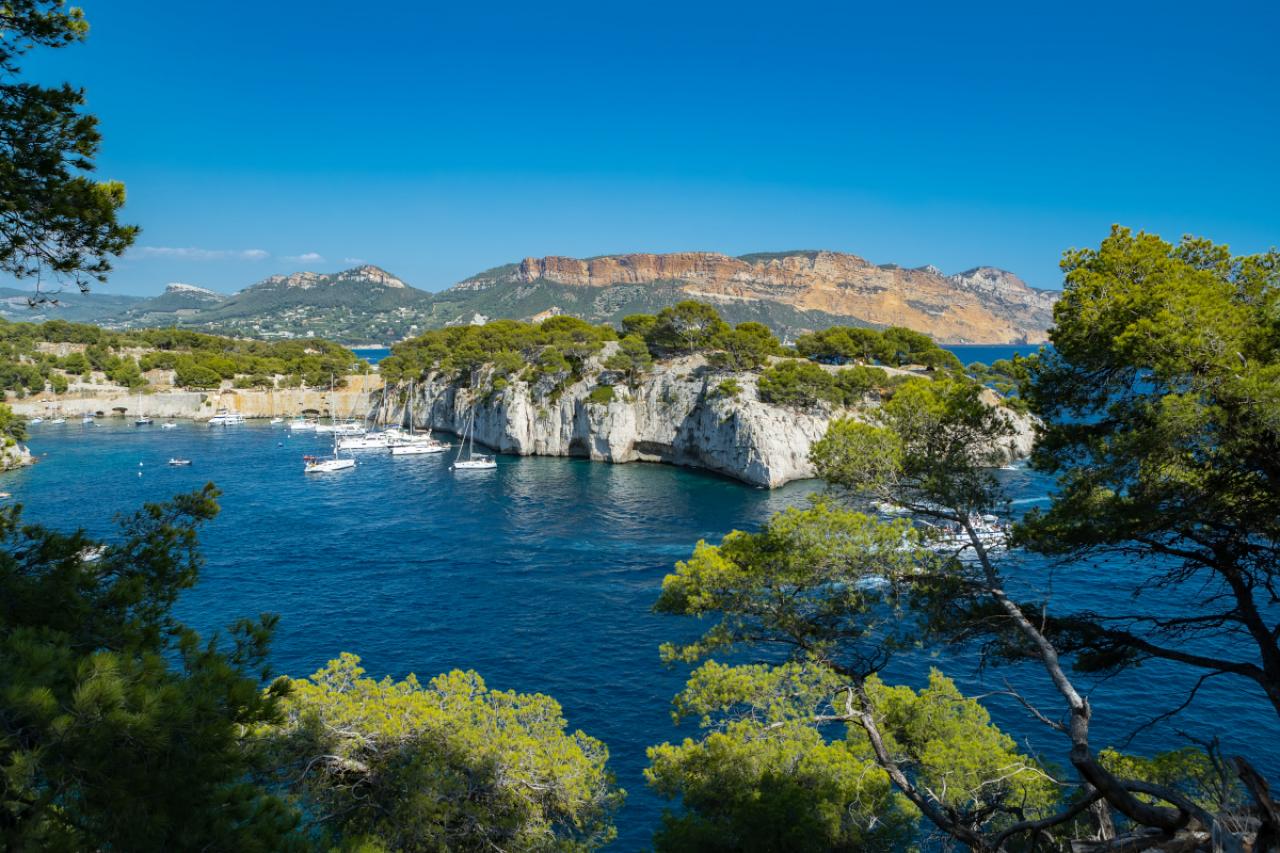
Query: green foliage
(1190, 771)
(802, 384)
(746, 347)
(450, 765)
(632, 359)
(894, 346)
(57, 222)
(121, 729)
(686, 327)
(728, 388)
(845, 343)
(934, 442)
(747, 788)
(601, 395)
(1161, 397)
(814, 579)
(825, 591)
(11, 425)
(190, 374)
(199, 360)
(558, 346)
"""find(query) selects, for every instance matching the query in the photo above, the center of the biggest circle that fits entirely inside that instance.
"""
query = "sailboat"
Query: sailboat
(142, 420)
(410, 443)
(276, 420)
(316, 465)
(473, 462)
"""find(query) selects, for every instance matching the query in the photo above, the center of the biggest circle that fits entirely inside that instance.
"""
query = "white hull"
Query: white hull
(168, 426)
(302, 426)
(323, 466)
(341, 429)
(474, 465)
(58, 421)
(417, 449)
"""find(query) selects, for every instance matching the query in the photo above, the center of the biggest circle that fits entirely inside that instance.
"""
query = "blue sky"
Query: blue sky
(439, 140)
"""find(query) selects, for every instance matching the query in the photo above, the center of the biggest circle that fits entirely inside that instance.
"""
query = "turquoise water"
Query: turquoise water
(541, 575)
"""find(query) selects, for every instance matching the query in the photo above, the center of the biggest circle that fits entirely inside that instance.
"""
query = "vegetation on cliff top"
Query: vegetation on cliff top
(198, 360)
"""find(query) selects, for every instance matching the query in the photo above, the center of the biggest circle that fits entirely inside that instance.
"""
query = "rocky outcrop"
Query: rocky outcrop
(677, 415)
(982, 305)
(14, 455)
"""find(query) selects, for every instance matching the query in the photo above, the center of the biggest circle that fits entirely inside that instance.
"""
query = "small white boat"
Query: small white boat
(369, 441)
(36, 420)
(58, 421)
(177, 462)
(275, 421)
(343, 428)
(474, 461)
(302, 425)
(225, 417)
(417, 449)
(169, 425)
(142, 420)
(92, 553)
(315, 465)
(87, 419)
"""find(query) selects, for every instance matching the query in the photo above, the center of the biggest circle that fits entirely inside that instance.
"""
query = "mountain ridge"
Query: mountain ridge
(791, 291)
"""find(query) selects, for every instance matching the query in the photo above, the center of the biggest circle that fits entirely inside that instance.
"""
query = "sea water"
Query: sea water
(540, 575)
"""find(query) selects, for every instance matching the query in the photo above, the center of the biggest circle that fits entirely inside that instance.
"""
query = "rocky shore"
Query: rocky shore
(677, 415)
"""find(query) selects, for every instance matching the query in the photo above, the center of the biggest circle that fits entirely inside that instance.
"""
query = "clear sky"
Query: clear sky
(439, 139)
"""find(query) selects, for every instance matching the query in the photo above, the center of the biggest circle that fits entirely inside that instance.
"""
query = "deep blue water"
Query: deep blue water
(541, 576)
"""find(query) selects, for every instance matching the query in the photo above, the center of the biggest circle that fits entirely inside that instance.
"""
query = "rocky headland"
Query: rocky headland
(677, 414)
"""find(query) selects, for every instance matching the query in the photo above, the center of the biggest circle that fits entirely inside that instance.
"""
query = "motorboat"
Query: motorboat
(87, 419)
(143, 421)
(277, 421)
(369, 441)
(225, 417)
(176, 462)
(342, 428)
(36, 420)
(169, 425)
(302, 425)
(58, 421)
(418, 449)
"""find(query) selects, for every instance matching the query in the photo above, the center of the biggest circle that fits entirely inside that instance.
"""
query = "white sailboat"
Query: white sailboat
(410, 443)
(142, 419)
(474, 461)
(317, 465)
(276, 420)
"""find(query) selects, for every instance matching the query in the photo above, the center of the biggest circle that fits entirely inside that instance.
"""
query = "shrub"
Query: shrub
(728, 388)
(601, 395)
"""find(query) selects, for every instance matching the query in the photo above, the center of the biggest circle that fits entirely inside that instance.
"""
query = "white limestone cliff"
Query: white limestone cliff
(676, 415)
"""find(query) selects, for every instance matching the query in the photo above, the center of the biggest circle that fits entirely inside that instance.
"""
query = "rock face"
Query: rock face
(982, 305)
(675, 416)
(14, 456)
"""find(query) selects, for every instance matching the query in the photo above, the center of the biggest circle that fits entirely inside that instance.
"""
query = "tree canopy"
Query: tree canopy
(449, 765)
(58, 223)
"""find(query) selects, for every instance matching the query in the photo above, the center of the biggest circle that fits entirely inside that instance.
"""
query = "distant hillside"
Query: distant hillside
(362, 304)
(789, 291)
(70, 305)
